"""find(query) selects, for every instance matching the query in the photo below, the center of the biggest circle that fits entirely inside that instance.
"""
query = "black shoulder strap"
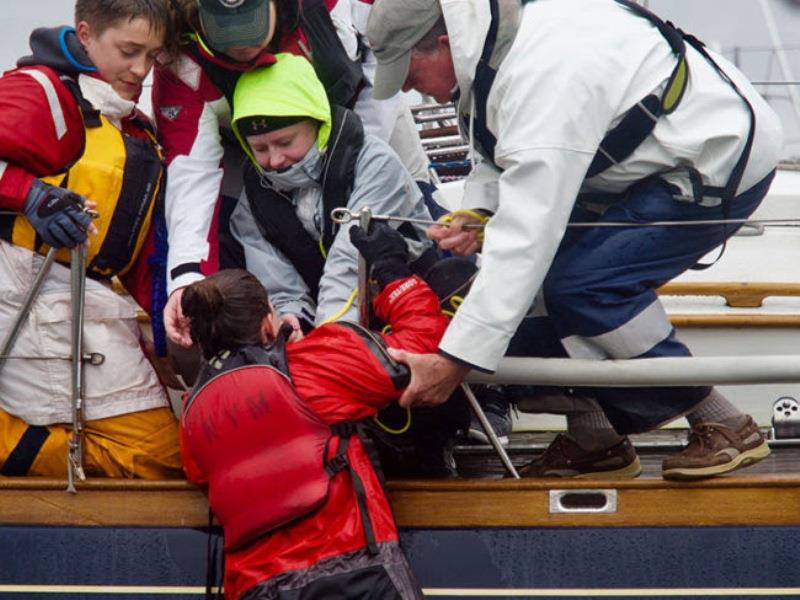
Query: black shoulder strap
(344, 431)
(638, 123)
(91, 115)
(339, 172)
(341, 76)
(482, 85)
(277, 221)
(273, 356)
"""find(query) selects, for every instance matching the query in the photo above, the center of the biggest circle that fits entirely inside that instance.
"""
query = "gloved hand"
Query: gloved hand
(384, 249)
(57, 215)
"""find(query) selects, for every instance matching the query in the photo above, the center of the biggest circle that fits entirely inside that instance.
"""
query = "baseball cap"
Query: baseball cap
(393, 29)
(234, 23)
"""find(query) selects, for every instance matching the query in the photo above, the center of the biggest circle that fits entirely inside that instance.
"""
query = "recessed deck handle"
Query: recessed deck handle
(583, 501)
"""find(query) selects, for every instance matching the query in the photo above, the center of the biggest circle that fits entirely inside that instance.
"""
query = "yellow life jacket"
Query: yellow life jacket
(124, 176)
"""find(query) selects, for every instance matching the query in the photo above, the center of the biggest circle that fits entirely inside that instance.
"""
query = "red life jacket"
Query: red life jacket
(267, 456)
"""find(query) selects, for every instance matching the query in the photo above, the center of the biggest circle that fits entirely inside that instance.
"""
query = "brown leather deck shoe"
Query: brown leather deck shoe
(565, 458)
(714, 449)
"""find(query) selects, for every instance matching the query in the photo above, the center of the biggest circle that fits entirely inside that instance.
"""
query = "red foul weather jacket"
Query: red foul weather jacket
(337, 371)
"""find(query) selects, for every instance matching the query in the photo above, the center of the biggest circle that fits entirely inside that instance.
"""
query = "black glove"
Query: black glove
(384, 249)
(57, 215)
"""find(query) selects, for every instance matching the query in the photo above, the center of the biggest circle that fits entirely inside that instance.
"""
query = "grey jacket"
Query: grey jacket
(381, 183)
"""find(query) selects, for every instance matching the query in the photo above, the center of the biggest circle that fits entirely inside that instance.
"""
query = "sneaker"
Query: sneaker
(565, 458)
(714, 449)
(498, 412)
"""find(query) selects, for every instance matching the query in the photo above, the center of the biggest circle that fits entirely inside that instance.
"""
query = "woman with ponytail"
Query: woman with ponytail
(269, 431)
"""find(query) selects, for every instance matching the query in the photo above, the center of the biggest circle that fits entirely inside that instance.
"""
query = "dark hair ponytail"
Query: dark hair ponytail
(225, 311)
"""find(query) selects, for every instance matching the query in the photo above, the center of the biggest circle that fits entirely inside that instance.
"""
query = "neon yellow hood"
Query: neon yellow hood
(288, 88)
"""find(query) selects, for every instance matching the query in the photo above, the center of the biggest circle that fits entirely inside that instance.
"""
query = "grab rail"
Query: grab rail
(651, 372)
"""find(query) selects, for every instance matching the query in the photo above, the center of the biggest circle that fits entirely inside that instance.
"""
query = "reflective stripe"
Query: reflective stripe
(647, 112)
(59, 122)
(3, 165)
(630, 339)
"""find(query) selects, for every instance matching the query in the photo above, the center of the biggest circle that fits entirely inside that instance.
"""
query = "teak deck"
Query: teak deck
(766, 494)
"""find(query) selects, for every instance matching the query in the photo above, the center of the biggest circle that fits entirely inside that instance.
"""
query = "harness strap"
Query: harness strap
(344, 431)
(21, 458)
(639, 122)
(728, 192)
(91, 115)
(482, 85)
(215, 562)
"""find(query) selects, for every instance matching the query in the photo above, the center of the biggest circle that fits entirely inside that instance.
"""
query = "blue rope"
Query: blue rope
(158, 265)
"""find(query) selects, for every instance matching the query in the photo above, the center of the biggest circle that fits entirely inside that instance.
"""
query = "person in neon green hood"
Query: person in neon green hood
(288, 99)
(307, 158)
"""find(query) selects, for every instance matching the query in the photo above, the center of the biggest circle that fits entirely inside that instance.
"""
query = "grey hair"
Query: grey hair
(429, 41)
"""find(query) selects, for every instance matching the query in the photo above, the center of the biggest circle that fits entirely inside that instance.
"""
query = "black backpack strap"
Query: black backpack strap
(344, 431)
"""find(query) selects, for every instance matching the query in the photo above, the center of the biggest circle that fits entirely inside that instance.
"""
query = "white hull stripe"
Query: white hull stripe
(630, 339)
(59, 122)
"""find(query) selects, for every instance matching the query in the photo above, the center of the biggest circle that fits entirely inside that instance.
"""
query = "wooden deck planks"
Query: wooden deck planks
(649, 501)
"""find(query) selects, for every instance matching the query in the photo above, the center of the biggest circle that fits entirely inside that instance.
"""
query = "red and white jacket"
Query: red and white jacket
(41, 131)
(192, 115)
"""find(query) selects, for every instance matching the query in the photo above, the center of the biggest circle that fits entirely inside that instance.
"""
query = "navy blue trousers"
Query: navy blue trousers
(600, 293)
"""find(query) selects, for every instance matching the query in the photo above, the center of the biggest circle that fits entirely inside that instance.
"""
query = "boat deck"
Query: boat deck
(765, 494)
(480, 461)
(732, 537)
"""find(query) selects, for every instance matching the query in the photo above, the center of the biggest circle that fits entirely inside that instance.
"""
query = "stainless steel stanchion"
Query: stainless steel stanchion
(78, 290)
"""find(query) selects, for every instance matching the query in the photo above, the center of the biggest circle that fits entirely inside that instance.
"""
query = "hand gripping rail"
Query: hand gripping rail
(364, 216)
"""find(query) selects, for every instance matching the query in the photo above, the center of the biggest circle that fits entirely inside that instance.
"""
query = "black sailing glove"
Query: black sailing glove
(384, 249)
(57, 215)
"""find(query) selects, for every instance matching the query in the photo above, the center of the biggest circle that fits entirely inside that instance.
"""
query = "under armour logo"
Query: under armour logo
(170, 112)
(258, 125)
(231, 3)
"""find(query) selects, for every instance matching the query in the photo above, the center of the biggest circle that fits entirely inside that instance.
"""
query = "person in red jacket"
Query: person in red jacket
(71, 137)
(192, 100)
(236, 445)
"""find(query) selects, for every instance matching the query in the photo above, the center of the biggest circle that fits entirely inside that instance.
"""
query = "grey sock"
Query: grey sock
(591, 429)
(715, 408)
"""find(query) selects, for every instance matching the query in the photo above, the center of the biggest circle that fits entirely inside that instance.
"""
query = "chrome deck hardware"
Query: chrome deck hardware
(786, 418)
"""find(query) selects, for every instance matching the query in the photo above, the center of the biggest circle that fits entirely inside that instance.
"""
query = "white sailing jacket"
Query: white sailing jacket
(575, 67)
